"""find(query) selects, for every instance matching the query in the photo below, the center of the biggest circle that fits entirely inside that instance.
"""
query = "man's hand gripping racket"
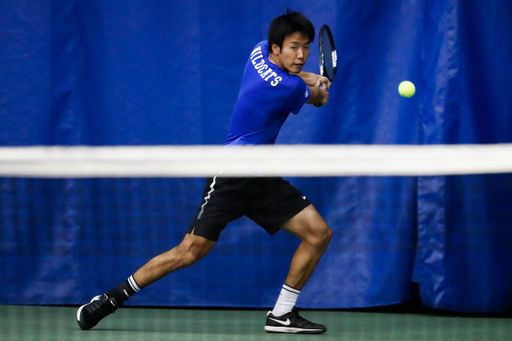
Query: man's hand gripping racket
(328, 56)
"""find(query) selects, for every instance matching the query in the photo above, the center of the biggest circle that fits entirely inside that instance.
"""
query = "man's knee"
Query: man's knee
(194, 248)
(319, 235)
(310, 227)
(322, 236)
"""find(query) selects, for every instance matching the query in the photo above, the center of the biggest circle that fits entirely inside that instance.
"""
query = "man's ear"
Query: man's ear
(275, 49)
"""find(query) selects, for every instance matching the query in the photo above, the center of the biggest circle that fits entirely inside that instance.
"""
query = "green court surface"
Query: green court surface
(147, 324)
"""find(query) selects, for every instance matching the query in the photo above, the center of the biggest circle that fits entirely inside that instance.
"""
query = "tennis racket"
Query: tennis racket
(328, 56)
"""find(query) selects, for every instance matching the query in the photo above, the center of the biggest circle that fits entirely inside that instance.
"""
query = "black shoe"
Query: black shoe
(91, 313)
(292, 323)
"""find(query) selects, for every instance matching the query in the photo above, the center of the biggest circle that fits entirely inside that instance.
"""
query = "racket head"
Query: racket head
(327, 52)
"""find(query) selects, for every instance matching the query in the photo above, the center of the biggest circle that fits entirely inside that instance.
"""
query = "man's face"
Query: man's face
(294, 53)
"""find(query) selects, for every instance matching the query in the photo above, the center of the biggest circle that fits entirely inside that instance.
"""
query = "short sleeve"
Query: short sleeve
(298, 96)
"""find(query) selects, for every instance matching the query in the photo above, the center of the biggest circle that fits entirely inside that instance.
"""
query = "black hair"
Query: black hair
(288, 23)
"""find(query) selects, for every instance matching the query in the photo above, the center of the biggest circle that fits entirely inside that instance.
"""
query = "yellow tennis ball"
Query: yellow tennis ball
(406, 89)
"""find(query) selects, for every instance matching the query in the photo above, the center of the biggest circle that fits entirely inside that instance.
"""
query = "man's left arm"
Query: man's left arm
(312, 79)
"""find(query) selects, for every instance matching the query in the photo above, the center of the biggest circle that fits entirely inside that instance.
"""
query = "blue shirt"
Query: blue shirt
(267, 96)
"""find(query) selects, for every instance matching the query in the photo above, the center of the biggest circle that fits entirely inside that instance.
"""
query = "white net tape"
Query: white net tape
(283, 160)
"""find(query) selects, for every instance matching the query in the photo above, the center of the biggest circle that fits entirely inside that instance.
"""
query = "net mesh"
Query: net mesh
(77, 220)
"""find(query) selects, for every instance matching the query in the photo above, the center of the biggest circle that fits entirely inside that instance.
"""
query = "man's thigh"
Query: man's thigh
(308, 223)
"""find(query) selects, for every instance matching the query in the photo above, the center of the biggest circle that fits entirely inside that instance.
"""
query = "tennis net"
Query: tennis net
(77, 220)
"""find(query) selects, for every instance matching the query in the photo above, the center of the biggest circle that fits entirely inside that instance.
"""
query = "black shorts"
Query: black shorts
(269, 202)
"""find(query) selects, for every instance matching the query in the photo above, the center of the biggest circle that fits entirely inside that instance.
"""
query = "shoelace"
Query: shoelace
(100, 308)
(301, 321)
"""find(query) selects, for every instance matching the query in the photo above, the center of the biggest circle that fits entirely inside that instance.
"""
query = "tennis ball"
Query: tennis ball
(406, 89)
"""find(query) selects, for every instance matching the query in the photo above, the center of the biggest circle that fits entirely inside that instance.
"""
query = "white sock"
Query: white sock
(286, 301)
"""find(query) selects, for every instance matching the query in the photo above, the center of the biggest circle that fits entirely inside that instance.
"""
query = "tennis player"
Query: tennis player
(273, 86)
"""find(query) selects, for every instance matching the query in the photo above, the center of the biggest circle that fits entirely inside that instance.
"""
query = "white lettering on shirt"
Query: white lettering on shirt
(263, 69)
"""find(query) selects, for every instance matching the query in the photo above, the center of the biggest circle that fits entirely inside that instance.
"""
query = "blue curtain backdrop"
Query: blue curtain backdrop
(168, 72)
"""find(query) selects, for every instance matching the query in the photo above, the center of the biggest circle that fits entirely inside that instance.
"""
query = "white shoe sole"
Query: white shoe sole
(292, 330)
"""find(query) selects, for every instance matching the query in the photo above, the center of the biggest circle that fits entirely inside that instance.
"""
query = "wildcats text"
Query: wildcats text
(263, 69)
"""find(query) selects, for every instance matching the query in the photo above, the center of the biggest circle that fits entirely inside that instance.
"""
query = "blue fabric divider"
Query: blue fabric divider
(168, 72)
